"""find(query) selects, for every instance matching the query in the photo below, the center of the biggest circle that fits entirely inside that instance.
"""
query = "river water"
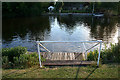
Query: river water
(26, 31)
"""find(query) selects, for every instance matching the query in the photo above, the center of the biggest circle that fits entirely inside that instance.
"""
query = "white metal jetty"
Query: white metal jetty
(64, 58)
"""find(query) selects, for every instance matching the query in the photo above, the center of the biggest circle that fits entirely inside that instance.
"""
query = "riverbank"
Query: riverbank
(26, 65)
(19, 57)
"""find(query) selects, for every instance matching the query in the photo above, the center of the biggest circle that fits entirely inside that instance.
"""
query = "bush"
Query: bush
(16, 58)
(27, 60)
(92, 56)
(111, 54)
(13, 52)
(5, 61)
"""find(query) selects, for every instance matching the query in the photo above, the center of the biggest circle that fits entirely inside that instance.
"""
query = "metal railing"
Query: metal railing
(98, 42)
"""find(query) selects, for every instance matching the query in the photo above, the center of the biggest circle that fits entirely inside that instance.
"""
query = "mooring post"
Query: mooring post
(39, 54)
(99, 53)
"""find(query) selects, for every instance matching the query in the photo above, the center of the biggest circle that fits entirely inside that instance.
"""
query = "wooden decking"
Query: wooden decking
(67, 62)
(64, 58)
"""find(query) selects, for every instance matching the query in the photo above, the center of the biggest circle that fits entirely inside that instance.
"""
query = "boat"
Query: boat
(98, 14)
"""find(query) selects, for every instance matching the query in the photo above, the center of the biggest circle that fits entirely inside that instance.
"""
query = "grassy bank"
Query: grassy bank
(105, 71)
(18, 57)
(23, 65)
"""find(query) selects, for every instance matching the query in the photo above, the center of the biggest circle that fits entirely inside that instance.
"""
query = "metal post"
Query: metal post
(99, 54)
(85, 51)
(39, 54)
(84, 46)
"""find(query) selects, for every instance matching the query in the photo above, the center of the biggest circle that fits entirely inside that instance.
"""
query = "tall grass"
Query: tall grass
(111, 54)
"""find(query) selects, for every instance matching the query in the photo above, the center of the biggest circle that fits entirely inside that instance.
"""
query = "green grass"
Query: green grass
(105, 71)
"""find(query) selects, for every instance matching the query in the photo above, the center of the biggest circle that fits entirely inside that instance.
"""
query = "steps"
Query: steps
(66, 62)
(64, 58)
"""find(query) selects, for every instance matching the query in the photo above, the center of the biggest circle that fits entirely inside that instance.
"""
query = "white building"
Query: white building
(51, 8)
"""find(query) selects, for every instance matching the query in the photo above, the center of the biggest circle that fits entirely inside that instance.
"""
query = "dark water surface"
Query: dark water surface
(25, 31)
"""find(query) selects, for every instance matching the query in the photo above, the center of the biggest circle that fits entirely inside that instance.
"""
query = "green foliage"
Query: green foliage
(107, 55)
(111, 54)
(105, 6)
(27, 60)
(92, 56)
(13, 52)
(17, 58)
(76, 11)
(5, 61)
(23, 9)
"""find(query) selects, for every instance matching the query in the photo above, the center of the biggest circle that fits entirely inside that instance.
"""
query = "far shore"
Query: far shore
(68, 14)
(62, 14)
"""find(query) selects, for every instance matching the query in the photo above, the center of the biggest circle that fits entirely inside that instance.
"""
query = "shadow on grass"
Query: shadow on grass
(87, 76)
(21, 73)
(91, 73)
(10, 73)
(77, 73)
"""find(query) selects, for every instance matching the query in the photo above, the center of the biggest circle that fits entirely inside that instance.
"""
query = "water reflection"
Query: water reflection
(35, 27)
(24, 31)
(104, 29)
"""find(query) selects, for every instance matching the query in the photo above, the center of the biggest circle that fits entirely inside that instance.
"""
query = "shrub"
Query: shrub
(92, 56)
(6, 63)
(5, 60)
(13, 52)
(111, 54)
(16, 58)
(27, 60)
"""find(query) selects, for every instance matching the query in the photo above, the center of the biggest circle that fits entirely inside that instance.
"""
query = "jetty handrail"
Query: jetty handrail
(97, 41)
(44, 47)
(69, 41)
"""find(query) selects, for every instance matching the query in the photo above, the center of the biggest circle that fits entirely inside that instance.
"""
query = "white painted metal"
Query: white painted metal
(84, 46)
(85, 51)
(98, 41)
(92, 47)
(70, 41)
(39, 54)
(44, 47)
(99, 54)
